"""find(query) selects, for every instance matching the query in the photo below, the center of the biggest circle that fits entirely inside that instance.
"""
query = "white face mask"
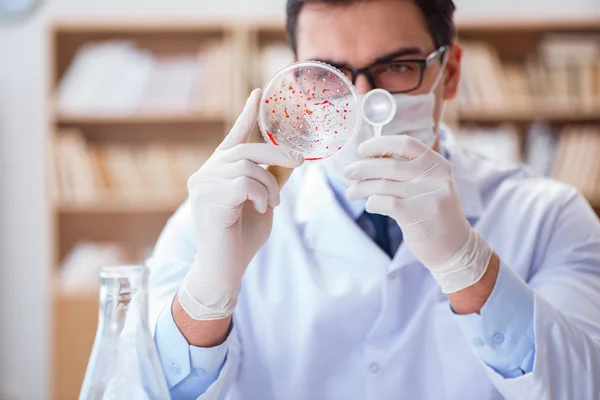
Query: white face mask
(414, 117)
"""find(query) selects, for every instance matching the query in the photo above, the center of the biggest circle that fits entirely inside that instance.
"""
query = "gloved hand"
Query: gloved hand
(414, 185)
(232, 199)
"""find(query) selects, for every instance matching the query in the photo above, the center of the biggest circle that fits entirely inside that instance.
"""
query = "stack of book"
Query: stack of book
(90, 174)
(118, 78)
(563, 75)
(569, 155)
(577, 162)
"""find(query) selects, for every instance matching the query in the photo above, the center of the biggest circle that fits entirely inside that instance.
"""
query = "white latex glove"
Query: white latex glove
(232, 199)
(414, 185)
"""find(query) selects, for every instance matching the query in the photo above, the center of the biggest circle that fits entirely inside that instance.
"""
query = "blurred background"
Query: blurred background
(106, 107)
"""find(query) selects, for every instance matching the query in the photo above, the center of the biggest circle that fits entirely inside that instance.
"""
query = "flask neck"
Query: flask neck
(123, 299)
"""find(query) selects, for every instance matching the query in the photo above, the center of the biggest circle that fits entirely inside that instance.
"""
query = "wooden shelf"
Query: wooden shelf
(140, 118)
(76, 320)
(538, 24)
(502, 23)
(151, 25)
(553, 115)
(119, 208)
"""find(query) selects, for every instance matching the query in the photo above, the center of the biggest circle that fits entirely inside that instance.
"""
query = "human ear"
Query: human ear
(453, 71)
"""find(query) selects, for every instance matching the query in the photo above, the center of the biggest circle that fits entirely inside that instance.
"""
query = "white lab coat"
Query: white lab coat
(324, 314)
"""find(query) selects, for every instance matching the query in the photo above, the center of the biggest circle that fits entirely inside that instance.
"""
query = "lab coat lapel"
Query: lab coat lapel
(329, 229)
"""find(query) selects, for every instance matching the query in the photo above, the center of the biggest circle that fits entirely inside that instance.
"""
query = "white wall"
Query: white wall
(24, 245)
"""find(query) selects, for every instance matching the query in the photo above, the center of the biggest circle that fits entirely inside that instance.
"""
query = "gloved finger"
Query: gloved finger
(396, 146)
(401, 190)
(245, 123)
(408, 211)
(243, 189)
(384, 205)
(256, 172)
(263, 153)
(381, 168)
(425, 166)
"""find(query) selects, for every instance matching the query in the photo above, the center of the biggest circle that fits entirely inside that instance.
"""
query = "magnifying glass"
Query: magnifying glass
(378, 109)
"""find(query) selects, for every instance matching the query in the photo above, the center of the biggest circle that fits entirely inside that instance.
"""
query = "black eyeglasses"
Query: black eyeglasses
(396, 75)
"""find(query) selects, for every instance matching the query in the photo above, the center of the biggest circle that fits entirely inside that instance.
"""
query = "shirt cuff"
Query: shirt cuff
(502, 336)
(179, 359)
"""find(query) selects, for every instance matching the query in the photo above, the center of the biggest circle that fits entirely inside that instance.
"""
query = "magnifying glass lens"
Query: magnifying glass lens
(379, 107)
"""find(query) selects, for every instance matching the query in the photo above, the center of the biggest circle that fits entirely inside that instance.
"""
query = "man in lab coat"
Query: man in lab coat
(430, 273)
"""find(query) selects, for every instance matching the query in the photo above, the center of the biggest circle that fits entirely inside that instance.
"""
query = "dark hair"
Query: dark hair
(439, 15)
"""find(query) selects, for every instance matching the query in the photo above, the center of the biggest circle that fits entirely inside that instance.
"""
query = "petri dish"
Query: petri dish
(312, 108)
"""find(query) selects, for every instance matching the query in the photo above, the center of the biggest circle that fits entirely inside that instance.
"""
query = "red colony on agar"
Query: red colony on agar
(272, 138)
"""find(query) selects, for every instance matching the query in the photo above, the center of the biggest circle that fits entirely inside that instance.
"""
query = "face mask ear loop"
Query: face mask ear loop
(437, 81)
(440, 74)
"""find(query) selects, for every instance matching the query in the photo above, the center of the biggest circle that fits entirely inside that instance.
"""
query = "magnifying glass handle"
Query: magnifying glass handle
(377, 129)
(281, 174)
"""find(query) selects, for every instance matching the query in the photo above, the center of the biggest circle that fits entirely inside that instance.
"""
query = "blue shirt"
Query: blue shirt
(502, 338)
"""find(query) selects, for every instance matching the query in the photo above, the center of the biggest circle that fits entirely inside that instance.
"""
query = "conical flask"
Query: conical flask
(124, 363)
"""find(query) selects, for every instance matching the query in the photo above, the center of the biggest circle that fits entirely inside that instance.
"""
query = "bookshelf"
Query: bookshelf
(556, 115)
(237, 57)
(171, 118)
(86, 131)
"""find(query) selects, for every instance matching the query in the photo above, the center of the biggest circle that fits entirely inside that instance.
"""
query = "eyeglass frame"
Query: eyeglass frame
(423, 63)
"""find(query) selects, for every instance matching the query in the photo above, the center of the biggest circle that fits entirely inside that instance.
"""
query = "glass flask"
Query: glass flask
(124, 363)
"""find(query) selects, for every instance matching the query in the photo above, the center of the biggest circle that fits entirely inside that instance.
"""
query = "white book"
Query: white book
(156, 170)
(88, 184)
(563, 49)
(66, 182)
(541, 148)
(78, 169)
(500, 144)
(171, 85)
(86, 75)
(123, 170)
(123, 82)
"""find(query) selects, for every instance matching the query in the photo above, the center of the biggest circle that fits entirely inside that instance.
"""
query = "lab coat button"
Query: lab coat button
(477, 342)
(176, 369)
(392, 276)
(374, 368)
(498, 338)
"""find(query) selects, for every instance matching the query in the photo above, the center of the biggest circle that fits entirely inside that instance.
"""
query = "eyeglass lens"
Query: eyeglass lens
(394, 76)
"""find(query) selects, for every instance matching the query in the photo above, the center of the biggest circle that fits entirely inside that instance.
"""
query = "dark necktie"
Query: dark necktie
(382, 238)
